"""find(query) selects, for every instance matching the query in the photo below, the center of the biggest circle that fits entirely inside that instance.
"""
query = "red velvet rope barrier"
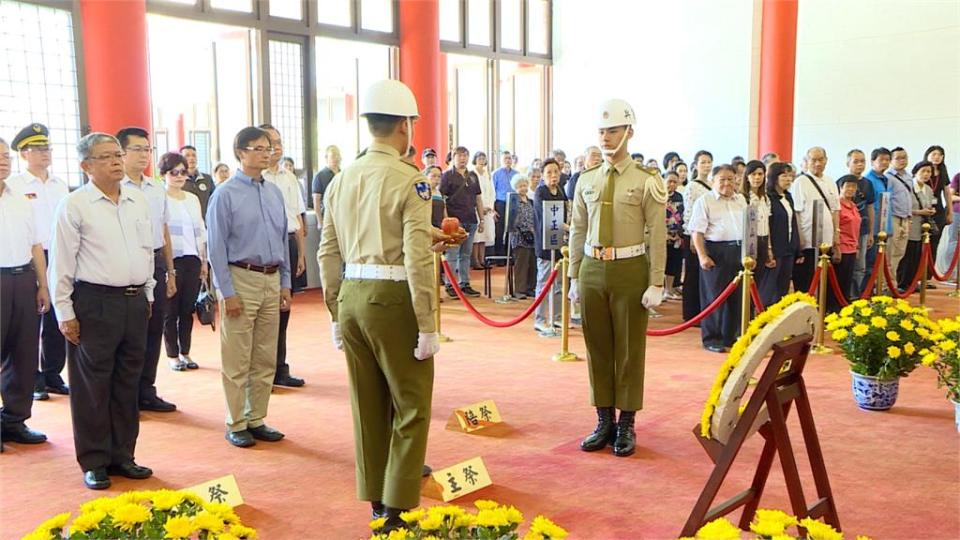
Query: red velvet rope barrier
(868, 289)
(490, 322)
(835, 285)
(924, 253)
(700, 316)
(815, 282)
(953, 264)
(755, 294)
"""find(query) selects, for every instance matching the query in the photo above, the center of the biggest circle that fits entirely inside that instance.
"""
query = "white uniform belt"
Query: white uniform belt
(388, 272)
(614, 253)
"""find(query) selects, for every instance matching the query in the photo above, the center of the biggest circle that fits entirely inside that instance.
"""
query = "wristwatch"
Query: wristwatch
(172, 271)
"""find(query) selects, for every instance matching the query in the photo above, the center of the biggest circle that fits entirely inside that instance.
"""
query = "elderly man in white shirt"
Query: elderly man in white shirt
(811, 187)
(101, 275)
(23, 297)
(716, 228)
(295, 208)
(44, 192)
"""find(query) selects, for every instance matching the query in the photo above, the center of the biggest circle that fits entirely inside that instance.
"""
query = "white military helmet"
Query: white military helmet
(390, 97)
(616, 112)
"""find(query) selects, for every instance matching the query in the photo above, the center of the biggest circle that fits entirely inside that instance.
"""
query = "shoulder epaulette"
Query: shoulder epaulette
(591, 168)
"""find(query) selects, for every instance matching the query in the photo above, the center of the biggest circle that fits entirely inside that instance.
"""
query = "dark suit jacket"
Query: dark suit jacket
(782, 242)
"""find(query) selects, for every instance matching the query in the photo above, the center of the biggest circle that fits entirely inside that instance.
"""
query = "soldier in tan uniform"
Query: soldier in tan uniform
(617, 254)
(377, 223)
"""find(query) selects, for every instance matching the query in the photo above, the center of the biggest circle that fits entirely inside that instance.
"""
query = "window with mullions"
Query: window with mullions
(286, 96)
(38, 81)
(287, 9)
(335, 12)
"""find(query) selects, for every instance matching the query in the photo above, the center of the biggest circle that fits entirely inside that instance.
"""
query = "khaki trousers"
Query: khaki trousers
(615, 329)
(897, 244)
(248, 348)
(390, 390)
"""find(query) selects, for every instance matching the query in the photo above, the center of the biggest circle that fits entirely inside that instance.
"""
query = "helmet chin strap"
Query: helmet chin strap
(623, 141)
(409, 136)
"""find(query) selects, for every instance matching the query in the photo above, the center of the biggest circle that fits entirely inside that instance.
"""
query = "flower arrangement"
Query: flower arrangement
(492, 521)
(882, 337)
(947, 362)
(740, 347)
(175, 515)
(772, 525)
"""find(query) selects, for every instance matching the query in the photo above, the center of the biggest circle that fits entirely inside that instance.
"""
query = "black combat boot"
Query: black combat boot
(626, 441)
(377, 509)
(393, 520)
(603, 435)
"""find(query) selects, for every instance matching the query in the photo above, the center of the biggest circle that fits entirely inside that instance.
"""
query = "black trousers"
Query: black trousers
(19, 332)
(525, 271)
(774, 283)
(691, 280)
(154, 330)
(104, 372)
(803, 272)
(722, 327)
(178, 320)
(53, 347)
(844, 271)
(499, 246)
(283, 369)
(909, 264)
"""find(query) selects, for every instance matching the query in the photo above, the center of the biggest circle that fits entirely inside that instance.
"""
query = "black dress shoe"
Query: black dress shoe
(96, 478)
(626, 441)
(240, 439)
(377, 510)
(22, 434)
(61, 389)
(289, 381)
(469, 291)
(394, 521)
(715, 348)
(40, 395)
(603, 434)
(265, 433)
(157, 404)
(451, 293)
(192, 365)
(130, 470)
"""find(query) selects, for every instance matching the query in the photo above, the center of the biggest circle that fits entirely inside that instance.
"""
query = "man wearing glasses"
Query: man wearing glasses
(137, 153)
(101, 276)
(44, 191)
(247, 241)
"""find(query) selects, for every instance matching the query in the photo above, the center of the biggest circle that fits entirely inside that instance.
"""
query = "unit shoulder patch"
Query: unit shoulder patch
(423, 190)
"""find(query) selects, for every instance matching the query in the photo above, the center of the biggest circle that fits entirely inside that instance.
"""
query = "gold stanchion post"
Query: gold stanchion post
(923, 266)
(748, 265)
(881, 250)
(564, 355)
(820, 348)
(437, 271)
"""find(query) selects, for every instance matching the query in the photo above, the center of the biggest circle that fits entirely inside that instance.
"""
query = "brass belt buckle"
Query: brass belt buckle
(17, 271)
(131, 291)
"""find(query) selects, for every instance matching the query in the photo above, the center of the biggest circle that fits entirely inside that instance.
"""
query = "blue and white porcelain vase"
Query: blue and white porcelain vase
(873, 393)
(956, 413)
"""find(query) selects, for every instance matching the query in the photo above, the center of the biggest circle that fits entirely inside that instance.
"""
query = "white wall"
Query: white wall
(878, 73)
(684, 65)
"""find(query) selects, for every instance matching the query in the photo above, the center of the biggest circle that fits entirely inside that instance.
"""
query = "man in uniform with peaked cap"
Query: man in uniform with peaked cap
(377, 224)
(617, 255)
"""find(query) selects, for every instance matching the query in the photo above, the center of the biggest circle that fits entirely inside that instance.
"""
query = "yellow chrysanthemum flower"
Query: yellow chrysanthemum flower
(839, 335)
(464, 520)
(858, 304)
(398, 534)
(862, 537)
(546, 529)
(719, 529)
(226, 536)
(514, 516)
(88, 521)
(377, 523)
(948, 345)
(240, 531)
(492, 518)
(866, 312)
(223, 511)
(893, 336)
(890, 311)
(208, 522)
(413, 516)
(178, 527)
(39, 534)
(909, 348)
(166, 499)
(907, 325)
(431, 523)
(484, 504)
(833, 316)
(763, 514)
(127, 516)
(878, 322)
(928, 359)
(818, 530)
(860, 330)
(56, 523)
(893, 352)
(882, 299)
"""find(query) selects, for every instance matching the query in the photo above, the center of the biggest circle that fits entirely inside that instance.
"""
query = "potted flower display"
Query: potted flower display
(883, 339)
(947, 362)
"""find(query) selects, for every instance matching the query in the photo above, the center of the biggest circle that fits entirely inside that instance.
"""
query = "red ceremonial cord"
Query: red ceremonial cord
(835, 285)
(490, 322)
(925, 252)
(868, 289)
(755, 294)
(700, 316)
(815, 282)
(953, 264)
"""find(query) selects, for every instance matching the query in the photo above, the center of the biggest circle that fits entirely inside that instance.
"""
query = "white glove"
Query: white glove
(336, 335)
(652, 297)
(574, 293)
(428, 344)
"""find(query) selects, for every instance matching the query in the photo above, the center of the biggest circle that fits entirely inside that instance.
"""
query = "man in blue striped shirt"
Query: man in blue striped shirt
(501, 184)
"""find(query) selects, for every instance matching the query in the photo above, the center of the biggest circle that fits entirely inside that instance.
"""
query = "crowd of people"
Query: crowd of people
(126, 255)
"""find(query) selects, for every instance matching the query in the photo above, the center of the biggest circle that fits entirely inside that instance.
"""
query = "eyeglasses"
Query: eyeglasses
(177, 172)
(39, 149)
(261, 149)
(140, 149)
(105, 157)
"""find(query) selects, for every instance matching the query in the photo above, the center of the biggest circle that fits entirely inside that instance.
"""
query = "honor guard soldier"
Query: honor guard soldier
(377, 222)
(101, 275)
(617, 255)
(44, 191)
(199, 183)
(23, 295)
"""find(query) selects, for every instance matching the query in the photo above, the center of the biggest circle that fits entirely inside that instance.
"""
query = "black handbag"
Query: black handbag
(205, 307)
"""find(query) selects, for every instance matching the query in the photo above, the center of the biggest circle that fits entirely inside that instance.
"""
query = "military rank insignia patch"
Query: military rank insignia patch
(423, 190)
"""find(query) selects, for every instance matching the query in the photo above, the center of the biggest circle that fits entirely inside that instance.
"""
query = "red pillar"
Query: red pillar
(420, 67)
(778, 58)
(444, 110)
(181, 132)
(115, 64)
